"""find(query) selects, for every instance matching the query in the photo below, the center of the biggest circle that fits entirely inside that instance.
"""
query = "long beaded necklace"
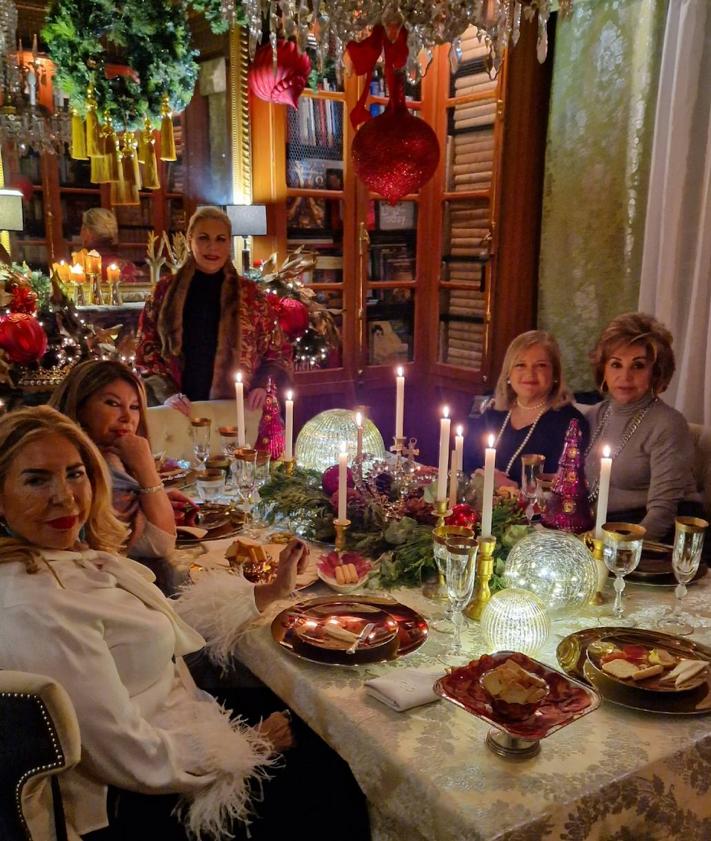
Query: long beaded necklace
(543, 406)
(630, 430)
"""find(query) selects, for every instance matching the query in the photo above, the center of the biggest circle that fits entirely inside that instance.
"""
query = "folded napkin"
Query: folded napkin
(405, 688)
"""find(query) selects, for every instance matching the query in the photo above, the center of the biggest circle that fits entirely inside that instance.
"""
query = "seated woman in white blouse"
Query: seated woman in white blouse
(73, 608)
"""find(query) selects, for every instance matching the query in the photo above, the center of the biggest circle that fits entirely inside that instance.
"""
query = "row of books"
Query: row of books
(316, 123)
(463, 302)
(392, 261)
(465, 350)
(457, 271)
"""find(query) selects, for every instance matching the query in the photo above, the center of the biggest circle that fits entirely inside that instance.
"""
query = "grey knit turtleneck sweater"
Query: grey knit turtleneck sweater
(654, 470)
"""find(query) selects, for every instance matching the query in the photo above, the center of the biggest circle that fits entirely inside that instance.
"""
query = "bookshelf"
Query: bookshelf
(440, 282)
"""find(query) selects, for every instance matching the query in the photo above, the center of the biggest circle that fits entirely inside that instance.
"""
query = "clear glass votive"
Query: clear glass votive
(210, 484)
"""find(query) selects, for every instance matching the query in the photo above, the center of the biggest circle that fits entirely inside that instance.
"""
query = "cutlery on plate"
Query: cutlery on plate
(653, 546)
(362, 636)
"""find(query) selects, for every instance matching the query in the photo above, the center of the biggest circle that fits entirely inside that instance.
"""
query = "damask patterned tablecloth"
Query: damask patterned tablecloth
(615, 774)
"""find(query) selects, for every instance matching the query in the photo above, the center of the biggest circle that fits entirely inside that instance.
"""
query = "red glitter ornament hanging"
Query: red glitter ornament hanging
(281, 83)
(293, 317)
(395, 153)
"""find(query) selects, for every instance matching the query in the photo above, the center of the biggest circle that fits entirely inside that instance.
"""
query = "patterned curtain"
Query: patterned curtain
(607, 58)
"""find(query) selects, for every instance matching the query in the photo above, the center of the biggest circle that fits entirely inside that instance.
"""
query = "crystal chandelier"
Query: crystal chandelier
(428, 23)
(23, 120)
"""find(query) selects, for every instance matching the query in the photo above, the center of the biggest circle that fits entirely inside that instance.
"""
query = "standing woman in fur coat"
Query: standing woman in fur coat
(203, 325)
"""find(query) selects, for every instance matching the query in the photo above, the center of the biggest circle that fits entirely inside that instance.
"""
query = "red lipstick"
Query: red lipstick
(62, 523)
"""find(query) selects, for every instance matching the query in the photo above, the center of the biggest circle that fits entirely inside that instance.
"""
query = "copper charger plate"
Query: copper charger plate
(572, 656)
(655, 568)
(220, 521)
(411, 633)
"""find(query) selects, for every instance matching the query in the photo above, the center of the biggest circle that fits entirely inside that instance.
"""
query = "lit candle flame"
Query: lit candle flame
(606, 451)
(359, 419)
(445, 412)
(400, 371)
(460, 430)
(289, 394)
(238, 377)
(491, 440)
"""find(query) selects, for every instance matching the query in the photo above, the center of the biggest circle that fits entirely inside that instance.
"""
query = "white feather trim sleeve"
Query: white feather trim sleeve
(219, 605)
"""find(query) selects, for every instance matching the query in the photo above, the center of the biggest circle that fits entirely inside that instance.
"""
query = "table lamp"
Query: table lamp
(10, 218)
(248, 220)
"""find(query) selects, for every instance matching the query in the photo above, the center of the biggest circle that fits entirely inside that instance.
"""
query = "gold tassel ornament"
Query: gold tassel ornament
(93, 145)
(78, 137)
(167, 138)
(147, 156)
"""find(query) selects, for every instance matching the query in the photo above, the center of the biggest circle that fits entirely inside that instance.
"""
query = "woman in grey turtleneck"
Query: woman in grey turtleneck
(650, 442)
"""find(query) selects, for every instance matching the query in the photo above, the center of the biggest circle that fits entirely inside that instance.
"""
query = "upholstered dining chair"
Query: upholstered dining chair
(39, 738)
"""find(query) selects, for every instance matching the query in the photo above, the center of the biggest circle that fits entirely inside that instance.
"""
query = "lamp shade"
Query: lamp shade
(11, 210)
(248, 220)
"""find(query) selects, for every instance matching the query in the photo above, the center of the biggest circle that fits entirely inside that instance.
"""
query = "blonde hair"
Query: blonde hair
(102, 224)
(208, 211)
(631, 328)
(504, 395)
(86, 378)
(103, 530)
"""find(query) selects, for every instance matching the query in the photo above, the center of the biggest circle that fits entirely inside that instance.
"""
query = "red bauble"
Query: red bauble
(293, 317)
(22, 338)
(395, 153)
(329, 480)
(284, 82)
(462, 515)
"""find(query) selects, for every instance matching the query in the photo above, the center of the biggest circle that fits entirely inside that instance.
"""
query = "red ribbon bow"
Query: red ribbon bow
(364, 54)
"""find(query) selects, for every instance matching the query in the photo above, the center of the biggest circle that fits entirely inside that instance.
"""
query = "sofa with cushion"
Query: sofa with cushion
(170, 430)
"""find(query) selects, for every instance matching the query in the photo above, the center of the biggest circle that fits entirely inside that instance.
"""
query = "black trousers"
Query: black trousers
(312, 795)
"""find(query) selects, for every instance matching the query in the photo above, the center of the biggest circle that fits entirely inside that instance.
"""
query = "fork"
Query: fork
(362, 636)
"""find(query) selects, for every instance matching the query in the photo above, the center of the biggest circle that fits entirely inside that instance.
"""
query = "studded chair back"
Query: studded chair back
(39, 738)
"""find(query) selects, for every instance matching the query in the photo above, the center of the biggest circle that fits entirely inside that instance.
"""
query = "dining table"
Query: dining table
(616, 774)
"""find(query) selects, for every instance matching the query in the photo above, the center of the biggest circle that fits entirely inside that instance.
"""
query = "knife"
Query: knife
(362, 636)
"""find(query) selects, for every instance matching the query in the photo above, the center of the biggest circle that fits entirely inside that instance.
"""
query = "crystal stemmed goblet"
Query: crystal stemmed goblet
(245, 473)
(460, 557)
(622, 551)
(200, 428)
(686, 555)
(444, 624)
(531, 472)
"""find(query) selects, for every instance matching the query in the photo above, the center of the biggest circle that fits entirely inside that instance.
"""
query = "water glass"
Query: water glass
(244, 469)
(460, 560)
(686, 556)
(228, 440)
(210, 484)
(531, 472)
(445, 623)
(622, 550)
(201, 439)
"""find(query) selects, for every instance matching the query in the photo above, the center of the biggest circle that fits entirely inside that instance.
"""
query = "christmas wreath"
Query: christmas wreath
(152, 39)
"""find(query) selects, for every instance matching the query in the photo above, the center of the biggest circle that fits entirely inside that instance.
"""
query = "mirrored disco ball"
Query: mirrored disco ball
(554, 565)
(515, 620)
(319, 442)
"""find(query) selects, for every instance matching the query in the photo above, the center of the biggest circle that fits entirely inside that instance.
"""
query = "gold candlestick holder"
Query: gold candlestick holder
(398, 445)
(115, 294)
(289, 466)
(341, 527)
(484, 571)
(79, 295)
(441, 510)
(597, 547)
(96, 290)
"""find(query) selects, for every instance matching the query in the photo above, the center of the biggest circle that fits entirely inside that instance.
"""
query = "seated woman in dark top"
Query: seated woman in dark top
(203, 325)
(530, 411)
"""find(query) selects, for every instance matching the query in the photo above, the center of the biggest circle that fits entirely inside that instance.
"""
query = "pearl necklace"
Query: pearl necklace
(544, 408)
(534, 406)
(630, 430)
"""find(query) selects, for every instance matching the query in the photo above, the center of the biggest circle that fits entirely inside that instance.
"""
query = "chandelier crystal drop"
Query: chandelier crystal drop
(428, 22)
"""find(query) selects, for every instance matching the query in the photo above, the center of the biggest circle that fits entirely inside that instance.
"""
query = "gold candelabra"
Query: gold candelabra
(341, 527)
(484, 571)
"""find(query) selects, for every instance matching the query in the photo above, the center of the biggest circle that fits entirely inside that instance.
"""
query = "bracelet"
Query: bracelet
(152, 490)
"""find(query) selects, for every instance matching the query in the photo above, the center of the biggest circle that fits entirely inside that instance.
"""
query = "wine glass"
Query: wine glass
(445, 623)
(460, 553)
(686, 555)
(245, 473)
(622, 551)
(228, 444)
(201, 439)
(531, 473)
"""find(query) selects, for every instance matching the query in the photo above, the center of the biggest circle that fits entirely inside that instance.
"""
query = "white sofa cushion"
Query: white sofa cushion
(170, 430)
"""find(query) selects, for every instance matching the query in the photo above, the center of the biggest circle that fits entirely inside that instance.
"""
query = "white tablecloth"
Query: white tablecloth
(616, 774)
